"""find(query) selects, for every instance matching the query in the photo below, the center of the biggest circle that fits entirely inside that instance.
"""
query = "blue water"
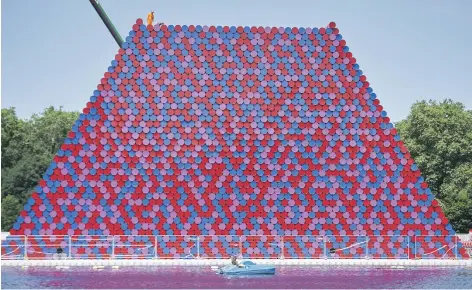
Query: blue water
(205, 277)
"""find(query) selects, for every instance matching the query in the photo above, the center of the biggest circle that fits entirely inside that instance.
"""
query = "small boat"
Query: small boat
(247, 268)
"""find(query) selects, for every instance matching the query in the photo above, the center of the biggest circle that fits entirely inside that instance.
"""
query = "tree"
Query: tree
(28, 147)
(13, 138)
(48, 130)
(457, 197)
(10, 209)
(439, 138)
(21, 179)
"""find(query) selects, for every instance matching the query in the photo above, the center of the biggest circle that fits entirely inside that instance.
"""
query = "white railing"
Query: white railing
(222, 247)
(13, 248)
(429, 247)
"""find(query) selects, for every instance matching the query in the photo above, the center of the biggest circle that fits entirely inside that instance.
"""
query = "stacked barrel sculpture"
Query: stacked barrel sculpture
(256, 136)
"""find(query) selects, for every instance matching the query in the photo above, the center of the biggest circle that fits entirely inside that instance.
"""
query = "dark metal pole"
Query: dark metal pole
(107, 22)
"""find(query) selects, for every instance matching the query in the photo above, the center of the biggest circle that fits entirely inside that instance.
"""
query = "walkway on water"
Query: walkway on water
(222, 262)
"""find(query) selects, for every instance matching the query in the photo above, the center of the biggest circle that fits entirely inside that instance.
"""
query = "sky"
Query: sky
(54, 52)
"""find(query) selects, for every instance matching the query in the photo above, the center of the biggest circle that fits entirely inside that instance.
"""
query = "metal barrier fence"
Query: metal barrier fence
(223, 247)
(429, 247)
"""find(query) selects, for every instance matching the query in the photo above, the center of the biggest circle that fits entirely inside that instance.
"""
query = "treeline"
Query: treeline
(439, 138)
(28, 147)
(438, 135)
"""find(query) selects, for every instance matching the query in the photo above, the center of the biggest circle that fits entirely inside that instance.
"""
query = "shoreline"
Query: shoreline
(222, 262)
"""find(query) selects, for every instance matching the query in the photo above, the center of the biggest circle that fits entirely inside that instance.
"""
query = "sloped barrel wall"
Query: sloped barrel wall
(234, 131)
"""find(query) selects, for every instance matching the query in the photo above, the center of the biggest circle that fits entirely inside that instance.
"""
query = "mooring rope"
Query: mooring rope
(440, 249)
(448, 251)
(139, 249)
(353, 245)
(12, 252)
(435, 250)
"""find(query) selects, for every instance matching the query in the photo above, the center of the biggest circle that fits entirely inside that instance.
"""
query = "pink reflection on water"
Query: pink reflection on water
(204, 277)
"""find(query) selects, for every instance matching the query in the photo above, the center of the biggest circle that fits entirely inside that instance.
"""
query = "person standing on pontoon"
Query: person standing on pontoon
(59, 255)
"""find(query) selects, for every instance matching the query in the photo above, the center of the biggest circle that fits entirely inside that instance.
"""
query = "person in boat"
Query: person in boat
(235, 262)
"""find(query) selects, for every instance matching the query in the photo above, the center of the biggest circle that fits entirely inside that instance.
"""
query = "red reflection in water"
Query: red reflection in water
(204, 277)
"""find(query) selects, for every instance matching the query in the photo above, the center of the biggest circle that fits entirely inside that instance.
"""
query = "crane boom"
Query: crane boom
(98, 8)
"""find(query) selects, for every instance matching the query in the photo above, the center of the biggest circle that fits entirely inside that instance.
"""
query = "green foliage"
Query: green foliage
(10, 209)
(20, 179)
(13, 138)
(28, 147)
(439, 138)
(49, 129)
(457, 197)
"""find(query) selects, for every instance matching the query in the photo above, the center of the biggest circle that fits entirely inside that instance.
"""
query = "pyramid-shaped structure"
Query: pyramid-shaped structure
(233, 131)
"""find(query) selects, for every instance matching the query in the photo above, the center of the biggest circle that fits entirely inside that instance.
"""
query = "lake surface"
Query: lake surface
(205, 277)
